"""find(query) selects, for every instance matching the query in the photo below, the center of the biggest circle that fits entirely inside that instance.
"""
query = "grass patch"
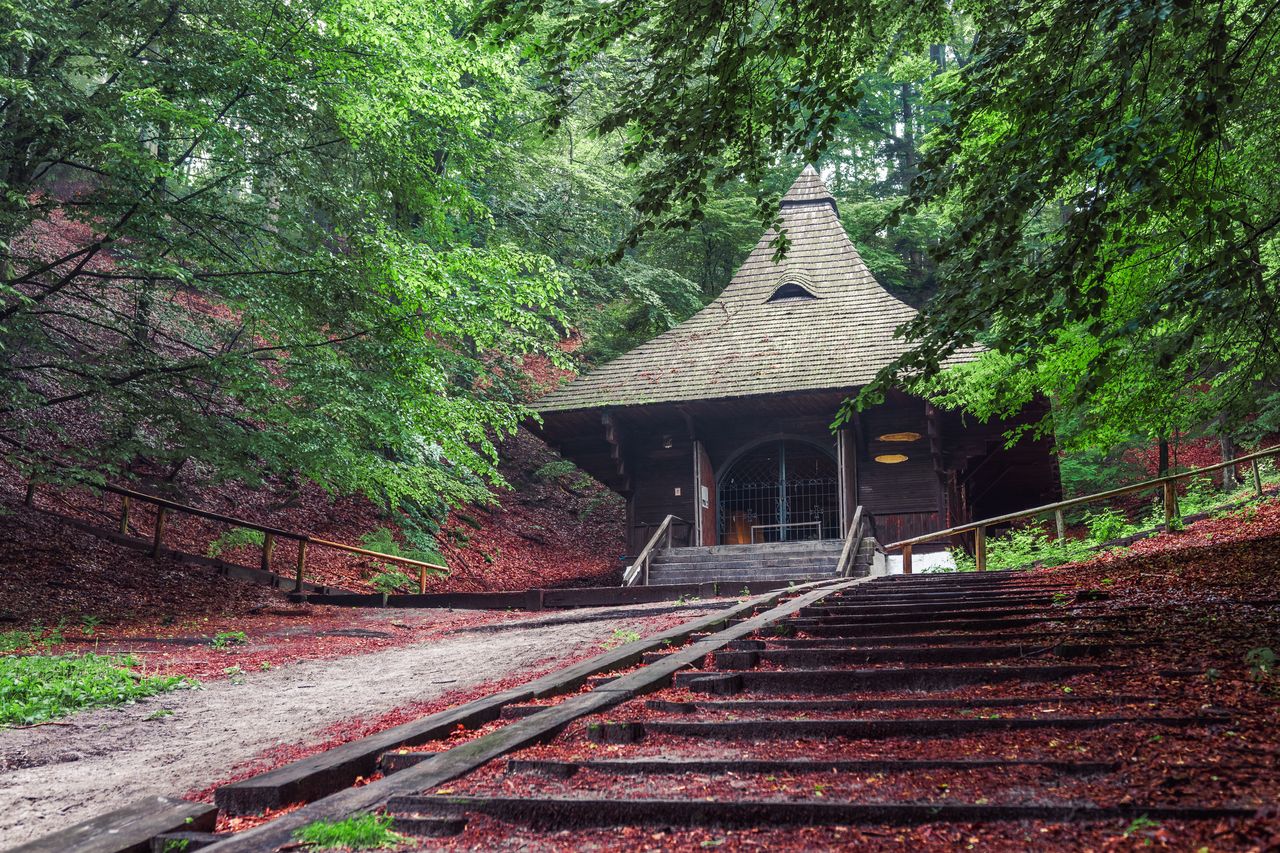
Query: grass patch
(35, 688)
(366, 832)
(236, 537)
(228, 639)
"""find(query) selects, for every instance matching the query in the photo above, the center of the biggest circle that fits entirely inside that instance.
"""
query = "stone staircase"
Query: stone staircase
(774, 561)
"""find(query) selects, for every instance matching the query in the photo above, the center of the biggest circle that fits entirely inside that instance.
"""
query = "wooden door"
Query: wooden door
(704, 496)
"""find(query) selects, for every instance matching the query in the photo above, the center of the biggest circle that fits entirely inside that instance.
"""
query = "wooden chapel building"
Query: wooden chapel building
(725, 420)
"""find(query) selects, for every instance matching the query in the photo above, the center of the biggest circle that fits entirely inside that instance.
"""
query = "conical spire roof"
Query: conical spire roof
(809, 188)
(817, 320)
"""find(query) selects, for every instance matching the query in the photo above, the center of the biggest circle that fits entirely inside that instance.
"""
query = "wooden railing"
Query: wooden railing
(639, 570)
(862, 522)
(269, 534)
(1167, 483)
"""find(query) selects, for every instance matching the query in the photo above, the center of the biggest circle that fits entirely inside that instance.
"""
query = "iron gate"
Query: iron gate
(782, 491)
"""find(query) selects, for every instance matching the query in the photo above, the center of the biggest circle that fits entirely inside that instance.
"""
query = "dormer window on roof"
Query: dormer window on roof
(792, 288)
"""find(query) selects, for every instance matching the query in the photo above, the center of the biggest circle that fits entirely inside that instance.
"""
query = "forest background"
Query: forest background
(341, 241)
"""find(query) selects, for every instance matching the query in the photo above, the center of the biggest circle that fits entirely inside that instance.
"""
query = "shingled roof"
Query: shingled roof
(747, 342)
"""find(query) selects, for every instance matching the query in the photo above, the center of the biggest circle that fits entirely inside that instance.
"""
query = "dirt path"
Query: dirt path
(58, 775)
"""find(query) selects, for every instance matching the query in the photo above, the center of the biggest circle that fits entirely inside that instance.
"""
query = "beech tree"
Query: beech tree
(234, 241)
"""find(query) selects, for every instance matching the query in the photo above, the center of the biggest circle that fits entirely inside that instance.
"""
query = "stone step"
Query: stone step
(782, 557)
(733, 575)
(824, 545)
(748, 564)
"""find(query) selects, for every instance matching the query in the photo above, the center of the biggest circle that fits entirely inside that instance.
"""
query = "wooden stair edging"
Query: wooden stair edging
(466, 757)
(313, 777)
(556, 813)
(128, 829)
(552, 599)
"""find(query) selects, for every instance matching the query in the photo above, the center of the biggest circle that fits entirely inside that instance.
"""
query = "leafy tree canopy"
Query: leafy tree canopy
(238, 237)
(1097, 179)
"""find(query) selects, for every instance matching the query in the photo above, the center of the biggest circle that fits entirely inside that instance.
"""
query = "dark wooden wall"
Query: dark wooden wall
(657, 472)
(906, 497)
(956, 471)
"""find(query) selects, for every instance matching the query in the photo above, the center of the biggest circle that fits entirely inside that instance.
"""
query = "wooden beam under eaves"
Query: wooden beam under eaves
(613, 437)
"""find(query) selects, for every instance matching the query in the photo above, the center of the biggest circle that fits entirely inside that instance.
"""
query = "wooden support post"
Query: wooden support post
(422, 580)
(1170, 504)
(670, 525)
(161, 513)
(980, 548)
(1061, 522)
(906, 559)
(268, 545)
(124, 515)
(1257, 478)
(302, 564)
(30, 499)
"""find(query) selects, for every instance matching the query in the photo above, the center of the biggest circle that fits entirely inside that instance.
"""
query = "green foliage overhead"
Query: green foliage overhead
(238, 238)
(721, 91)
(1094, 181)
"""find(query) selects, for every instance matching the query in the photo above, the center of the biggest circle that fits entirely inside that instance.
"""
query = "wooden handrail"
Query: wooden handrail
(365, 551)
(270, 534)
(202, 513)
(640, 568)
(1166, 482)
(852, 541)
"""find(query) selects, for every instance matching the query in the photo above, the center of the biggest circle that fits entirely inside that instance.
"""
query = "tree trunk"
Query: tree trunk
(1229, 481)
(907, 151)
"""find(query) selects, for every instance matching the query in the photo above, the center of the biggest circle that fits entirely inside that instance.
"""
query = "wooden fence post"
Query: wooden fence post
(422, 580)
(302, 563)
(268, 545)
(1170, 504)
(1061, 522)
(980, 549)
(124, 515)
(1257, 478)
(906, 559)
(161, 512)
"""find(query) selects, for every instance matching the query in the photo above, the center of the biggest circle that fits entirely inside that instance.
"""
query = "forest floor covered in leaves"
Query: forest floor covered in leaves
(553, 529)
(1199, 611)
(379, 669)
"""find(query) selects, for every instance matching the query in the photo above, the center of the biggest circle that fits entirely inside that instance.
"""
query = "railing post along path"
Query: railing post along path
(639, 570)
(302, 564)
(161, 512)
(268, 545)
(270, 534)
(1167, 484)
(852, 545)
